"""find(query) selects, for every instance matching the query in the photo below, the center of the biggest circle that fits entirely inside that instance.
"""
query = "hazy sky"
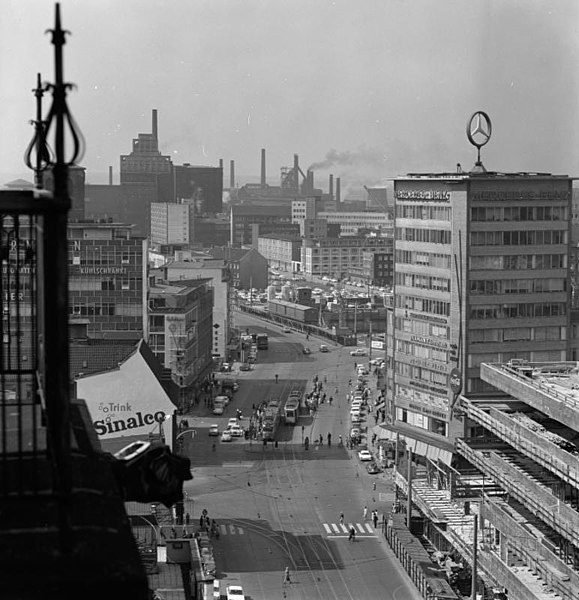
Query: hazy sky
(370, 87)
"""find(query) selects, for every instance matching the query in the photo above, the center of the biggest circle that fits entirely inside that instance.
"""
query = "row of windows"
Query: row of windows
(518, 311)
(517, 334)
(519, 261)
(430, 236)
(423, 422)
(519, 213)
(517, 238)
(98, 284)
(429, 259)
(425, 282)
(475, 360)
(517, 286)
(421, 374)
(435, 307)
(424, 328)
(95, 309)
(431, 213)
(419, 351)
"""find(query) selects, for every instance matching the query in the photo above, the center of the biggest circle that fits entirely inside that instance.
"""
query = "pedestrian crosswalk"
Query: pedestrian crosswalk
(230, 529)
(332, 529)
(343, 529)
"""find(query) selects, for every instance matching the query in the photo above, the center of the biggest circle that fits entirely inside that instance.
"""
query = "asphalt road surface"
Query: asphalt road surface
(280, 507)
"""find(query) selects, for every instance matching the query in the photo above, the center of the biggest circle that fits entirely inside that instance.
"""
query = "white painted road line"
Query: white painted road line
(327, 528)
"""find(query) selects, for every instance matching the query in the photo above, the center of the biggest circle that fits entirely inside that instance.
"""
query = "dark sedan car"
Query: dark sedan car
(306, 351)
(373, 468)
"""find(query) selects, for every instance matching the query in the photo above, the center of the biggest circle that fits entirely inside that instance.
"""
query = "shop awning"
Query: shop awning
(383, 434)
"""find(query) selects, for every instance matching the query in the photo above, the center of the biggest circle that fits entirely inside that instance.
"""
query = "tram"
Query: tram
(291, 411)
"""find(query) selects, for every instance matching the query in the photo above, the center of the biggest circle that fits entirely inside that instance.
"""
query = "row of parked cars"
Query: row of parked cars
(356, 416)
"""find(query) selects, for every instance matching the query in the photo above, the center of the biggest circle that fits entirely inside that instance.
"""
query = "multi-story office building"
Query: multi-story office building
(107, 280)
(378, 267)
(481, 274)
(282, 252)
(216, 270)
(243, 217)
(139, 178)
(180, 326)
(337, 256)
(171, 224)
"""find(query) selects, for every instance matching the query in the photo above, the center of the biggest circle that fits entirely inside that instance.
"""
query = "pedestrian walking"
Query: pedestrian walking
(365, 512)
(374, 486)
(375, 518)
(330, 400)
(286, 575)
(352, 536)
(329, 439)
(341, 518)
(350, 382)
(321, 441)
(187, 519)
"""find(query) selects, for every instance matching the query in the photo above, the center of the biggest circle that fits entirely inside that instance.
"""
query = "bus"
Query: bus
(270, 420)
(262, 341)
(292, 411)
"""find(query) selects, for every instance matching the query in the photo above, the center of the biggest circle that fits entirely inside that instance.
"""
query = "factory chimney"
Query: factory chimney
(155, 123)
(221, 164)
(263, 184)
(110, 176)
(338, 199)
(296, 174)
(331, 191)
(231, 174)
(311, 182)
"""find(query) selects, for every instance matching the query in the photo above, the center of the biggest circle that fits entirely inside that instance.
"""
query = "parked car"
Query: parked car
(373, 468)
(235, 431)
(376, 362)
(324, 348)
(225, 436)
(245, 367)
(214, 429)
(306, 351)
(287, 330)
(358, 352)
(365, 455)
(231, 422)
(234, 592)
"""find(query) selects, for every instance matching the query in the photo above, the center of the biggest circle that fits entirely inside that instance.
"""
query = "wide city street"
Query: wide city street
(279, 507)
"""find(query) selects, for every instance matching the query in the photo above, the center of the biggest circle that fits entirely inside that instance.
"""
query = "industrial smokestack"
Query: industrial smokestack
(338, 199)
(311, 181)
(110, 176)
(232, 174)
(331, 192)
(221, 163)
(263, 184)
(296, 173)
(155, 123)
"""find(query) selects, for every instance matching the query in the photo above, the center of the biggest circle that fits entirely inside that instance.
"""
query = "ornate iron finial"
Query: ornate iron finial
(44, 156)
(59, 111)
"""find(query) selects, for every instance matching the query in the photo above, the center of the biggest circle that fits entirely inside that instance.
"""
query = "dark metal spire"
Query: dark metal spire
(38, 143)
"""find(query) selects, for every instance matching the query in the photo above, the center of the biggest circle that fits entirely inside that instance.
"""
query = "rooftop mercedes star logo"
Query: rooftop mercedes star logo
(479, 129)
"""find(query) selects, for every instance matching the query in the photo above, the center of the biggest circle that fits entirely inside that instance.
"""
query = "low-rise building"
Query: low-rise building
(247, 266)
(242, 217)
(352, 222)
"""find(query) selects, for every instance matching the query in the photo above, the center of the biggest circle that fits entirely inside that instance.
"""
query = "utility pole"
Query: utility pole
(474, 558)
(409, 495)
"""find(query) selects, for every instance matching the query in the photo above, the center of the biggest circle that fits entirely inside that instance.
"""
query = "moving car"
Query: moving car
(231, 422)
(365, 455)
(225, 436)
(306, 351)
(358, 352)
(324, 348)
(245, 367)
(372, 468)
(287, 330)
(214, 429)
(234, 592)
